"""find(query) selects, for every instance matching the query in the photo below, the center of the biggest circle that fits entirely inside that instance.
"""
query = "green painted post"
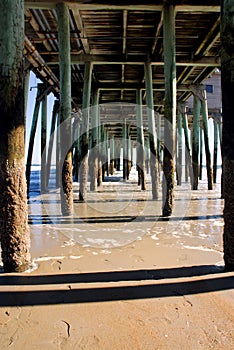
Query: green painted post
(103, 151)
(85, 131)
(201, 154)
(14, 229)
(195, 139)
(112, 154)
(180, 149)
(58, 153)
(187, 145)
(140, 141)
(43, 143)
(51, 140)
(169, 107)
(215, 154)
(129, 146)
(99, 179)
(66, 188)
(204, 111)
(124, 138)
(93, 155)
(76, 156)
(152, 131)
(159, 142)
(32, 136)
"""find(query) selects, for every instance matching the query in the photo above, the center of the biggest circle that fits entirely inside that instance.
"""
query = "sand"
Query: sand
(116, 275)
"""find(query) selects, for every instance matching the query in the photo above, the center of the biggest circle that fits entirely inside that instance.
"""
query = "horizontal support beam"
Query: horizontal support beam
(136, 5)
(133, 86)
(207, 61)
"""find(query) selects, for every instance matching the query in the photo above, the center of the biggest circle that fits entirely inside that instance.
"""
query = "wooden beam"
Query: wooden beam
(158, 30)
(149, 5)
(79, 58)
(80, 27)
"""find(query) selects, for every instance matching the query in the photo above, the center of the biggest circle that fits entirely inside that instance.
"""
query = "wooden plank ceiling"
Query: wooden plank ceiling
(119, 36)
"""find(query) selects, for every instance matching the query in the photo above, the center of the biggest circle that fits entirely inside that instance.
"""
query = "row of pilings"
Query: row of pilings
(103, 144)
(14, 230)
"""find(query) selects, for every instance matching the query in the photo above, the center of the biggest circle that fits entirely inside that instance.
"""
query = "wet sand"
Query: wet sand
(117, 275)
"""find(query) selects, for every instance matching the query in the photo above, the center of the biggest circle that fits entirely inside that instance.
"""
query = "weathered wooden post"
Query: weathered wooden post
(112, 154)
(58, 153)
(215, 154)
(43, 143)
(201, 153)
(84, 137)
(152, 131)
(99, 177)
(32, 135)
(188, 165)
(66, 190)
(179, 148)
(195, 139)
(51, 140)
(159, 143)
(170, 107)
(227, 81)
(129, 152)
(140, 141)
(14, 229)
(117, 154)
(93, 155)
(124, 142)
(204, 111)
(76, 155)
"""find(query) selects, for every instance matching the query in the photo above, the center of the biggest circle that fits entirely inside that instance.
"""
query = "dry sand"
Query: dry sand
(118, 276)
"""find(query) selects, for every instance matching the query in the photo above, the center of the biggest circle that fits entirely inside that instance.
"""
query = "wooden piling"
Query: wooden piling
(152, 131)
(51, 140)
(215, 154)
(187, 146)
(66, 190)
(112, 154)
(93, 155)
(85, 131)
(14, 229)
(140, 141)
(179, 149)
(195, 139)
(201, 153)
(124, 140)
(204, 111)
(169, 107)
(227, 81)
(43, 144)
(32, 136)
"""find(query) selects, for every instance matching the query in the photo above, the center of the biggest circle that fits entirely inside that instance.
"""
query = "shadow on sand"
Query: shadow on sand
(70, 292)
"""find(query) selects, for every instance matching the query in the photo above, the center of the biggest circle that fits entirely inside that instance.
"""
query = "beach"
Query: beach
(117, 275)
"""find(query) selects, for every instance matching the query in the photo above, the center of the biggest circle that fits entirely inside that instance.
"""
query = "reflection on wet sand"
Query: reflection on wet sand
(119, 218)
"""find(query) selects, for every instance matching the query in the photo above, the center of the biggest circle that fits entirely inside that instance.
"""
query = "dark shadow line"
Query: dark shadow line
(112, 276)
(38, 219)
(104, 294)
